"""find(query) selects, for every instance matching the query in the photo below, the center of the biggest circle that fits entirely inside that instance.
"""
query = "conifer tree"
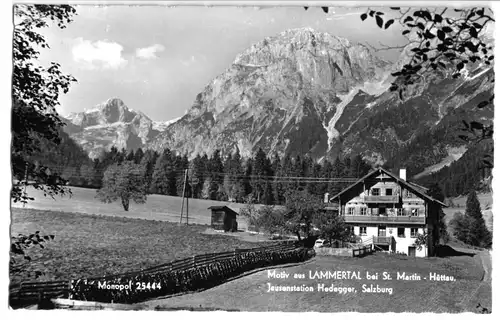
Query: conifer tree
(138, 156)
(215, 171)
(148, 162)
(442, 234)
(237, 176)
(287, 171)
(337, 172)
(130, 156)
(480, 235)
(259, 174)
(247, 185)
(196, 169)
(278, 193)
(162, 174)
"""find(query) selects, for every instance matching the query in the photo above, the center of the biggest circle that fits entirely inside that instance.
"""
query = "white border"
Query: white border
(6, 32)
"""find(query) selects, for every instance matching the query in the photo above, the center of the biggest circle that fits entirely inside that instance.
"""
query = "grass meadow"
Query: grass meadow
(168, 208)
(92, 245)
(95, 239)
(250, 293)
(157, 207)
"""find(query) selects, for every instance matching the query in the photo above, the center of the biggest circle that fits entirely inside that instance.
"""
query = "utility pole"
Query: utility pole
(25, 182)
(187, 203)
(183, 193)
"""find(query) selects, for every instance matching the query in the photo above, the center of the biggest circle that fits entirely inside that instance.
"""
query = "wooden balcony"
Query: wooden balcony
(382, 240)
(382, 199)
(385, 219)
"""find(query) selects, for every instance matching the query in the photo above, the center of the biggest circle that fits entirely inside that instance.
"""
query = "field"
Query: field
(157, 207)
(91, 245)
(251, 292)
(167, 208)
(486, 201)
(95, 239)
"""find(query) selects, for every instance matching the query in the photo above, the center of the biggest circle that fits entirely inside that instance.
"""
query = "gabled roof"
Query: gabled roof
(415, 188)
(424, 189)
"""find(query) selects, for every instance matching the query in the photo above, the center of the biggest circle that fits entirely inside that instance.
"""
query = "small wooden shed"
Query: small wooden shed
(224, 218)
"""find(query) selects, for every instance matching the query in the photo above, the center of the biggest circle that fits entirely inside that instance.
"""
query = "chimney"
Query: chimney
(402, 174)
(327, 198)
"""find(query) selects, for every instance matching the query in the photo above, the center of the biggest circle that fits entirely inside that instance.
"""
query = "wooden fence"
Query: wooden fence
(360, 252)
(30, 293)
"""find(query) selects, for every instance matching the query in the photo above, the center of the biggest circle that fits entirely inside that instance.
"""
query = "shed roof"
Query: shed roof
(225, 208)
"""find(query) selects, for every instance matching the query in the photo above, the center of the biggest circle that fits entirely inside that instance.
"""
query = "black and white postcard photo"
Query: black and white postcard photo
(285, 157)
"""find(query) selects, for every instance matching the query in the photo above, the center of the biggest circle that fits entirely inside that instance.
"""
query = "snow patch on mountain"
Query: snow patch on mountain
(162, 125)
(106, 125)
(332, 132)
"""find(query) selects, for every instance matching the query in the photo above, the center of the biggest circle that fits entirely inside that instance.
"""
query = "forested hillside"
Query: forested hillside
(466, 174)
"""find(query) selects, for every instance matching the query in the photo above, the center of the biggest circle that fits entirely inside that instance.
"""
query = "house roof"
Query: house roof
(415, 188)
(424, 189)
(225, 208)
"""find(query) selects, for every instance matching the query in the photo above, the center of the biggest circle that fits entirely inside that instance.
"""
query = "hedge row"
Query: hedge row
(137, 288)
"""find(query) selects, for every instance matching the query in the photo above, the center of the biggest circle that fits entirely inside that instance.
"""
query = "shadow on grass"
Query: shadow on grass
(447, 251)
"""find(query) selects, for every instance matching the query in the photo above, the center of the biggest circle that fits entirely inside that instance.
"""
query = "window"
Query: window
(381, 231)
(350, 211)
(382, 211)
(375, 192)
(388, 192)
(409, 194)
(362, 231)
(400, 212)
(401, 232)
(363, 211)
(414, 212)
(413, 232)
(351, 230)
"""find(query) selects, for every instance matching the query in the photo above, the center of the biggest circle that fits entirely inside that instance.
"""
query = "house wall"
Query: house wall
(402, 243)
(409, 201)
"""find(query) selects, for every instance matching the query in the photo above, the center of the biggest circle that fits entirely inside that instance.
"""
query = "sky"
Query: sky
(157, 58)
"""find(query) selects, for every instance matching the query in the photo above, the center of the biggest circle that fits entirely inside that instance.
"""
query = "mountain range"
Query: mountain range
(305, 92)
(112, 123)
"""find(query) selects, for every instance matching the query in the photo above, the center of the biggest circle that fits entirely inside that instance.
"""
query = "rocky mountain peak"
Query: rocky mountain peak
(111, 123)
(296, 78)
(115, 110)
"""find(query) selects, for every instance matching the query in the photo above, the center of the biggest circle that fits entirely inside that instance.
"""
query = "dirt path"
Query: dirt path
(484, 287)
(487, 265)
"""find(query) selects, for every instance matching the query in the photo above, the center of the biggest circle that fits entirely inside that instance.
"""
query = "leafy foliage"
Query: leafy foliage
(35, 93)
(332, 227)
(421, 240)
(438, 41)
(20, 246)
(443, 43)
(271, 220)
(300, 210)
(124, 182)
(35, 122)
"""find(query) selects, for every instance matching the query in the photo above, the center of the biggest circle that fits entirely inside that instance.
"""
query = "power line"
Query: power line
(206, 174)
